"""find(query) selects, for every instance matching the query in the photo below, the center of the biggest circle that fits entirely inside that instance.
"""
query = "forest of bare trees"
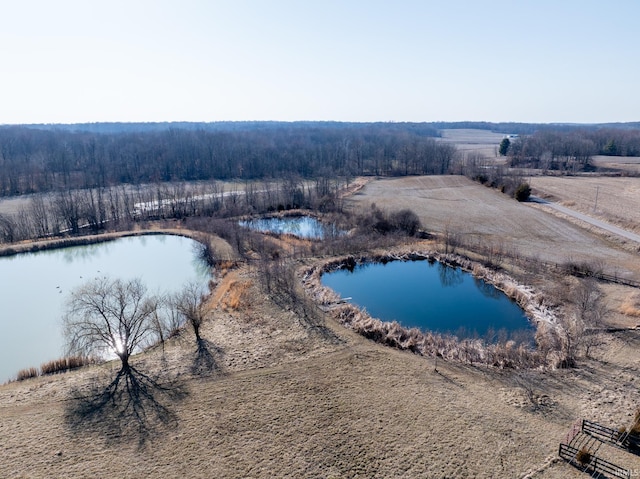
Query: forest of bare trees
(93, 177)
(39, 159)
(572, 150)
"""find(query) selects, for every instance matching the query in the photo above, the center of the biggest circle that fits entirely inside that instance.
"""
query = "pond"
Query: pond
(300, 226)
(35, 287)
(431, 296)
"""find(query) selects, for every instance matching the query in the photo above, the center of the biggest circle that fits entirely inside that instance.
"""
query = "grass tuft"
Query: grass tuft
(27, 373)
(65, 364)
(631, 306)
(237, 294)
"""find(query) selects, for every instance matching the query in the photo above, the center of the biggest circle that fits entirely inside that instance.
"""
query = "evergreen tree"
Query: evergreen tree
(504, 146)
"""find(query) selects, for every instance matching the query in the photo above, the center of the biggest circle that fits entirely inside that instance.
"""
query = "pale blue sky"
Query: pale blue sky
(67, 61)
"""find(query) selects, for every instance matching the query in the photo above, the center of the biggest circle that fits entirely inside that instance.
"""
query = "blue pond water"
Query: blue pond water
(301, 226)
(431, 296)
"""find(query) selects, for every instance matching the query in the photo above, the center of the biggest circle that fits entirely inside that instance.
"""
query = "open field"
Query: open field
(618, 199)
(273, 396)
(629, 164)
(471, 141)
(477, 213)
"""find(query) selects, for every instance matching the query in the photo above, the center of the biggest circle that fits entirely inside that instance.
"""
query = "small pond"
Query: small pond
(431, 296)
(36, 285)
(301, 226)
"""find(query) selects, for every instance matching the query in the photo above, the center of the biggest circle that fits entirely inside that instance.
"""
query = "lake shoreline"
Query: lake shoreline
(33, 246)
(164, 262)
(427, 343)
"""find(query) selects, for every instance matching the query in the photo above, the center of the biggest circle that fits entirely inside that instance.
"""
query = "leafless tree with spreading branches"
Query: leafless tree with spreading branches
(189, 303)
(107, 316)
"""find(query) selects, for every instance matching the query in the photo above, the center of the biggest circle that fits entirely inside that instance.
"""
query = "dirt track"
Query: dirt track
(609, 228)
(615, 200)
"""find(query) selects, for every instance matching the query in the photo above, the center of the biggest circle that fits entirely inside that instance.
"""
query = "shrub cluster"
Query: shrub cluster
(583, 456)
(403, 221)
(523, 192)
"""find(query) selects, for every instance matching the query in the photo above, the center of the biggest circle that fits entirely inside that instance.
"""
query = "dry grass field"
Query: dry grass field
(472, 141)
(618, 199)
(627, 164)
(268, 395)
(279, 400)
(476, 213)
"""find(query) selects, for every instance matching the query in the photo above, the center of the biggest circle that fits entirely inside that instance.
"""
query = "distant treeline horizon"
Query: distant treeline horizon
(58, 158)
(42, 158)
(497, 127)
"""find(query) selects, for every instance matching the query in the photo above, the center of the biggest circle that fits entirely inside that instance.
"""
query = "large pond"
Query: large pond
(301, 226)
(431, 296)
(35, 287)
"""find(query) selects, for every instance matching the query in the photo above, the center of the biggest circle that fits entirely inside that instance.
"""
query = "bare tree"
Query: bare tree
(7, 229)
(166, 321)
(450, 239)
(592, 311)
(580, 327)
(39, 213)
(67, 207)
(106, 316)
(189, 303)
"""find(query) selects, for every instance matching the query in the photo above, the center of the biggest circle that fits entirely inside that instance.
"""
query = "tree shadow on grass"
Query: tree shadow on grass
(133, 406)
(206, 359)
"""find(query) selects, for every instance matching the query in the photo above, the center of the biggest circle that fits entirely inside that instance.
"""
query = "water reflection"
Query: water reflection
(432, 297)
(301, 226)
(35, 286)
(82, 253)
(449, 276)
(487, 289)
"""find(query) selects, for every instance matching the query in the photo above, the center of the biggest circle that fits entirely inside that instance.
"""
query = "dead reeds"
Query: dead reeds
(56, 366)
(506, 353)
(27, 373)
(631, 306)
(65, 364)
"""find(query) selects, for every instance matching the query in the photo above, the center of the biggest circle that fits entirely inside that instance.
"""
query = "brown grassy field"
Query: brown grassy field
(471, 141)
(625, 164)
(271, 396)
(618, 199)
(479, 214)
(281, 401)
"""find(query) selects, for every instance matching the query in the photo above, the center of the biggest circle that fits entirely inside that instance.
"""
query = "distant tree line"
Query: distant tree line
(531, 128)
(50, 159)
(571, 150)
(42, 158)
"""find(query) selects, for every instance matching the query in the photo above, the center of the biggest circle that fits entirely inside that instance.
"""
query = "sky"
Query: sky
(541, 61)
